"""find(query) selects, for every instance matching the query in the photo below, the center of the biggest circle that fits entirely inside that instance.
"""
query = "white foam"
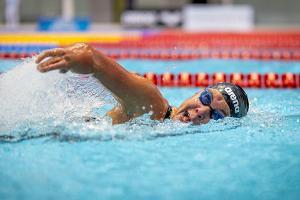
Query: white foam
(27, 95)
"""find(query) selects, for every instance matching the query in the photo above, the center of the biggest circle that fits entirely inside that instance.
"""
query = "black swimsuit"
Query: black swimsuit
(168, 113)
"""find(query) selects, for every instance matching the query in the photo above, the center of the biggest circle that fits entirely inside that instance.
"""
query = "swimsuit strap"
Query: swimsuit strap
(168, 113)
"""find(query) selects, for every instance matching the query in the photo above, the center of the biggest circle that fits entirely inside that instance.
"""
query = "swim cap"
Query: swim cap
(235, 97)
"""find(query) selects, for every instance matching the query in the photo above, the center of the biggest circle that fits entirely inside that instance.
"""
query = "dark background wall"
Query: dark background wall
(267, 12)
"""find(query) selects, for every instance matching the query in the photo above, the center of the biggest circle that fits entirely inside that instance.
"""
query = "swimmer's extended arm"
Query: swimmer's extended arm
(132, 91)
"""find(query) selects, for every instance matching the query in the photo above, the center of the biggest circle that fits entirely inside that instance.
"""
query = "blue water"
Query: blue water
(204, 65)
(256, 157)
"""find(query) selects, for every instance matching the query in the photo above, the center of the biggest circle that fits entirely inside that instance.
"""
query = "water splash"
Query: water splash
(33, 99)
(54, 105)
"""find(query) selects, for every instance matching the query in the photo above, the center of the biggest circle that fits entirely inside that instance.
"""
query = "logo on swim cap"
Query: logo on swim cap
(233, 98)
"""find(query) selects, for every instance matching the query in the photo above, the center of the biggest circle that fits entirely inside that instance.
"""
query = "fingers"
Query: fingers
(57, 65)
(50, 53)
(49, 62)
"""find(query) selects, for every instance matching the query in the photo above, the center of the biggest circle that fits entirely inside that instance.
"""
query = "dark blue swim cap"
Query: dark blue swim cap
(235, 97)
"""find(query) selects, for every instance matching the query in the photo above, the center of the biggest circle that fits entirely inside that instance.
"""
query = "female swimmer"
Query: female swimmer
(137, 95)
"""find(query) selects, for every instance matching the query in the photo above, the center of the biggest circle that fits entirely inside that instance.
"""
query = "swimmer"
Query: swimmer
(136, 95)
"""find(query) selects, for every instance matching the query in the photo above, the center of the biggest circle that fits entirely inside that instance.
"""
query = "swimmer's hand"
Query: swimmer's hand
(77, 58)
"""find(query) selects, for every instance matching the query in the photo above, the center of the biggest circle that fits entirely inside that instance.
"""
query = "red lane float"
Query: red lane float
(152, 77)
(181, 39)
(167, 80)
(289, 80)
(218, 77)
(248, 40)
(286, 55)
(256, 54)
(245, 55)
(271, 80)
(238, 79)
(296, 55)
(201, 80)
(225, 54)
(166, 55)
(252, 80)
(184, 80)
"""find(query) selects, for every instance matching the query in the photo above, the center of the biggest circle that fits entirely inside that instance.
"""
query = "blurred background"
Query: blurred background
(46, 15)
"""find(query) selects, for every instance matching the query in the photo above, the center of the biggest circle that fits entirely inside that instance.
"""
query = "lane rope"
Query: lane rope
(286, 55)
(202, 79)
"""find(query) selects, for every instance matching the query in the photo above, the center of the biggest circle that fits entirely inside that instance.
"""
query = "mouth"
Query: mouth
(184, 116)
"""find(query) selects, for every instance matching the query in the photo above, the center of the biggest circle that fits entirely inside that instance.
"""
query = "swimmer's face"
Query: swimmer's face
(193, 111)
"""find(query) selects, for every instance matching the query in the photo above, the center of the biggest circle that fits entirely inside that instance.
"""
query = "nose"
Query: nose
(197, 114)
(200, 115)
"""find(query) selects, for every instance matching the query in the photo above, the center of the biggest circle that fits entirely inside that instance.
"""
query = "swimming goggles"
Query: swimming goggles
(206, 98)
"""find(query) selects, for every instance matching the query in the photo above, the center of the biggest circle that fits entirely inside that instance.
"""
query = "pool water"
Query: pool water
(48, 152)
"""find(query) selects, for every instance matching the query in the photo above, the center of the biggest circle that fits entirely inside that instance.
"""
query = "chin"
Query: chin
(179, 118)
